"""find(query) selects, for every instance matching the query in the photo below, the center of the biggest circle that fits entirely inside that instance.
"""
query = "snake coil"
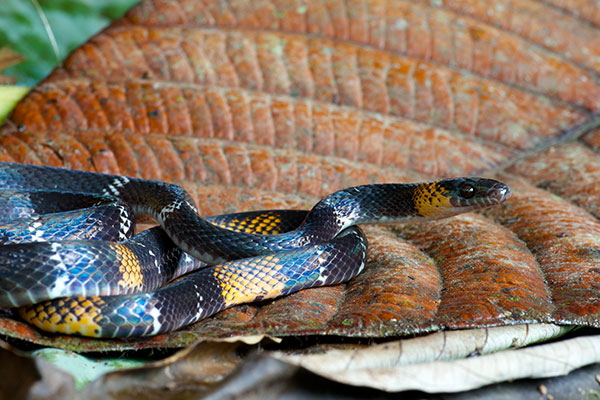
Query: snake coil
(71, 265)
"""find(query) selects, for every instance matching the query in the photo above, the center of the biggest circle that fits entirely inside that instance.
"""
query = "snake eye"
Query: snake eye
(467, 191)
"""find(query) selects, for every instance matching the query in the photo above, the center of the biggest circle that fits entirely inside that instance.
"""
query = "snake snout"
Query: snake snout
(500, 192)
(475, 193)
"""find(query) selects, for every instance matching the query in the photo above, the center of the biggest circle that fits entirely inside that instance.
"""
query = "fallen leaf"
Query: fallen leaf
(9, 58)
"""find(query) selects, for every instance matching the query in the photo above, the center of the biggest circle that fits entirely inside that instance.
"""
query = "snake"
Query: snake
(71, 263)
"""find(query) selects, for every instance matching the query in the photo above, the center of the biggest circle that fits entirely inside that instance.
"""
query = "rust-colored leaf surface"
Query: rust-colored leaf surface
(276, 103)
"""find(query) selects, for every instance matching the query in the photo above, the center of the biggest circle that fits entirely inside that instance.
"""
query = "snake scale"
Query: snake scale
(71, 264)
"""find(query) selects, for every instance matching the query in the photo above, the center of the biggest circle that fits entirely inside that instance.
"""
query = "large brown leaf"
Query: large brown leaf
(268, 104)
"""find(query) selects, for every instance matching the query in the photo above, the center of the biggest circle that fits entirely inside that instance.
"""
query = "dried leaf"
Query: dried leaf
(452, 372)
(26, 377)
(9, 57)
(194, 370)
(441, 346)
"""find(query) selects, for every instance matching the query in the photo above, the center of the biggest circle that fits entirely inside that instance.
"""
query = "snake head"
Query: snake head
(447, 197)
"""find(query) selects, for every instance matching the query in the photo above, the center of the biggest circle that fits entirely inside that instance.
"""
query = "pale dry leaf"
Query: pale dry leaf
(441, 346)
(457, 373)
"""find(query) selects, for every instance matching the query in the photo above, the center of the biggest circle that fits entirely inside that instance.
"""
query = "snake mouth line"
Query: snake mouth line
(497, 195)
(503, 193)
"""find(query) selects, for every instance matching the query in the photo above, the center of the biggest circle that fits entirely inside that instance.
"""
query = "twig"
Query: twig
(48, 29)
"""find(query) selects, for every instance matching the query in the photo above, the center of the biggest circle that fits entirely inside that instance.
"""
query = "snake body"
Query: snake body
(107, 288)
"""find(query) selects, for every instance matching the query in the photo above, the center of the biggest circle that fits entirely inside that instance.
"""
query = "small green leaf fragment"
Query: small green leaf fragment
(9, 97)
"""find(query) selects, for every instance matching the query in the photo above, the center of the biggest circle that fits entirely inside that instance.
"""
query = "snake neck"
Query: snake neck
(385, 203)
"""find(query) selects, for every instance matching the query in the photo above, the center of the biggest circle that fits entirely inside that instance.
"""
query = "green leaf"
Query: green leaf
(71, 22)
(85, 369)
(9, 97)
